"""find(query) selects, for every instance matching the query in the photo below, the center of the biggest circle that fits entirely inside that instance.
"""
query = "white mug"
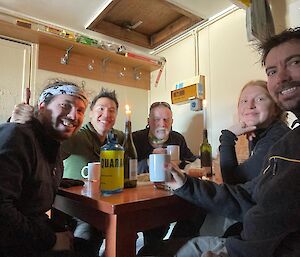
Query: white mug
(158, 167)
(174, 152)
(93, 171)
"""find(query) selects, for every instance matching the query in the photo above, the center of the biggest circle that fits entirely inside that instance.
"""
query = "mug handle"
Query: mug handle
(83, 172)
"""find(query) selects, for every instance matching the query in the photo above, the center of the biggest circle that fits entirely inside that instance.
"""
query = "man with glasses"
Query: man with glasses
(157, 135)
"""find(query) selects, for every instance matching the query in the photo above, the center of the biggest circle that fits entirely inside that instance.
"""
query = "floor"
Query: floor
(214, 225)
(140, 240)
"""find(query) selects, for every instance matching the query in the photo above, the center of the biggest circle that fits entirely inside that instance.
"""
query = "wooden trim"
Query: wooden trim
(29, 35)
(116, 19)
(49, 59)
(52, 48)
(170, 31)
(131, 36)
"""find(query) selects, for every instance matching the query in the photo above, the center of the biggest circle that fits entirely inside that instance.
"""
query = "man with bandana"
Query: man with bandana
(84, 147)
(31, 170)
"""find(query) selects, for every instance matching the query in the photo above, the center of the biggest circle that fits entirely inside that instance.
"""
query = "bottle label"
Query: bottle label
(112, 170)
(133, 165)
(206, 159)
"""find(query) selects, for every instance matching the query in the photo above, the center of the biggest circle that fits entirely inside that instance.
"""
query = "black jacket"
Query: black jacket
(30, 172)
(232, 171)
(268, 206)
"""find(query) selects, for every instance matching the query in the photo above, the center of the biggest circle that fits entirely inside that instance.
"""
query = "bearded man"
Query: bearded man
(158, 134)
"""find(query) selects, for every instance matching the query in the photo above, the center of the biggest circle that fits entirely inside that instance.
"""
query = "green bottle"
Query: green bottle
(206, 155)
(130, 158)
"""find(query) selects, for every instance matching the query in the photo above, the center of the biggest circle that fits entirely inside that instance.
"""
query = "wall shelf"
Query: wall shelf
(52, 48)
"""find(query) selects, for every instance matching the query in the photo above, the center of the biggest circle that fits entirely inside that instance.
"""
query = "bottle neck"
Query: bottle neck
(128, 130)
(205, 139)
(111, 137)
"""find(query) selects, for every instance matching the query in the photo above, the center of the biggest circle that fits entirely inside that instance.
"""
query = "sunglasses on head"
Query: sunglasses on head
(156, 104)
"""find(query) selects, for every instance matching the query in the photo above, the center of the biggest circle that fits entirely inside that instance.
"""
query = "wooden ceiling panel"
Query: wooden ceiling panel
(143, 22)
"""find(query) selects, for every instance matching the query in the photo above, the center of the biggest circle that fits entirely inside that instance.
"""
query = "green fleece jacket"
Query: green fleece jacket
(82, 148)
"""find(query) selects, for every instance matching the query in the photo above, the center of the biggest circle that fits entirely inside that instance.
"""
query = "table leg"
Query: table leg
(120, 237)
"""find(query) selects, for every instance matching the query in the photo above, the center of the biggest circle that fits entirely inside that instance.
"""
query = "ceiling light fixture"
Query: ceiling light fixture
(130, 26)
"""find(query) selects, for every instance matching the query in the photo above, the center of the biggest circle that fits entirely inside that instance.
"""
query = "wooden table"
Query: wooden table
(121, 216)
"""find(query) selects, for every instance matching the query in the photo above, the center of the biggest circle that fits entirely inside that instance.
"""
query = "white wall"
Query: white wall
(15, 75)
(230, 63)
(227, 60)
(180, 65)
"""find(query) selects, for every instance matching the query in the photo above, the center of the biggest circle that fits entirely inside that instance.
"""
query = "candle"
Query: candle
(127, 112)
(204, 114)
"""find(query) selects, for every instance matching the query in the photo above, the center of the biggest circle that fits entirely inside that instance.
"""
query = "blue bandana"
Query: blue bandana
(63, 89)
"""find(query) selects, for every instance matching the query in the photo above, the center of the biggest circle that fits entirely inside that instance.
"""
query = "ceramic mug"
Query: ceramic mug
(174, 152)
(91, 171)
(158, 167)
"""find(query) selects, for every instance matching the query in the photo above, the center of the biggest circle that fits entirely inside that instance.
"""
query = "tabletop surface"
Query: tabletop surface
(142, 196)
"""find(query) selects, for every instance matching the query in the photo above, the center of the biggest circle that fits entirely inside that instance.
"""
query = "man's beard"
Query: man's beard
(161, 133)
(59, 133)
(288, 103)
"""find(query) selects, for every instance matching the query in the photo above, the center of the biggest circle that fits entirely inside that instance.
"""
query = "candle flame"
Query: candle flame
(127, 112)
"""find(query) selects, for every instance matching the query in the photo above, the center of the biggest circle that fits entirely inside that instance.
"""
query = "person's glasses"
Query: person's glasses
(156, 104)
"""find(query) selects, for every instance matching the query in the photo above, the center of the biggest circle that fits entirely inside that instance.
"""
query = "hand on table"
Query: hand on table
(70, 182)
(22, 113)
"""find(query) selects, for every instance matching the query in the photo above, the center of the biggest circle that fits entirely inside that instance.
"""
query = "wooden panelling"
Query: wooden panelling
(143, 22)
(130, 36)
(17, 32)
(53, 47)
(171, 30)
(50, 56)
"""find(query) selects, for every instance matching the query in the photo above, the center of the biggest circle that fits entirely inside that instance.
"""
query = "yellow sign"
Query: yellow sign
(192, 88)
(182, 95)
